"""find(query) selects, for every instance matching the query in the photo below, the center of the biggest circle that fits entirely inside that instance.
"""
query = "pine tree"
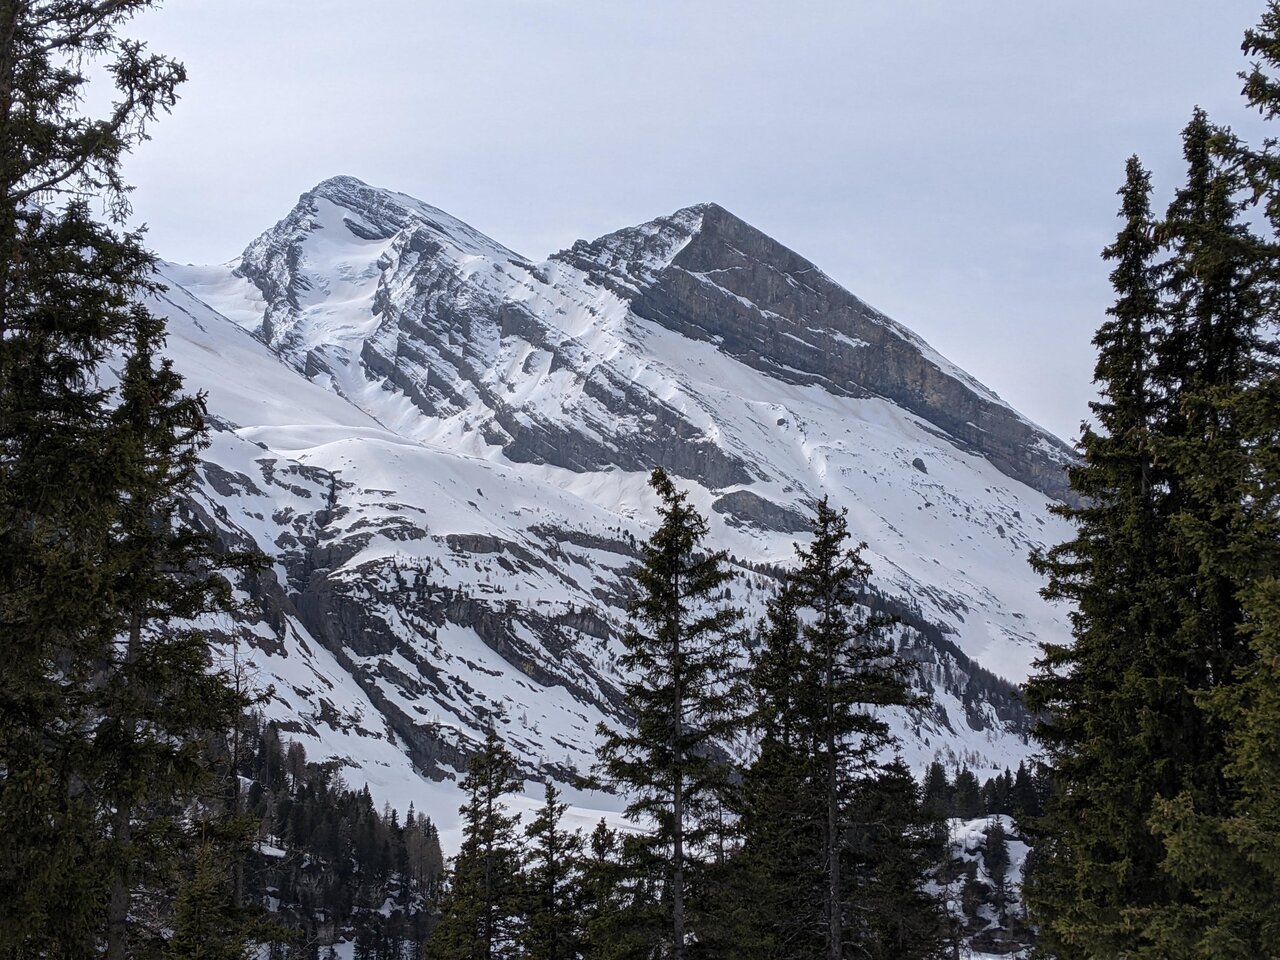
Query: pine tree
(1095, 853)
(1221, 843)
(552, 886)
(480, 905)
(99, 703)
(892, 846)
(851, 673)
(779, 871)
(683, 702)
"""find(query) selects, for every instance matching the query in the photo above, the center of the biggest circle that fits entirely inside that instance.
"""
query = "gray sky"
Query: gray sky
(953, 163)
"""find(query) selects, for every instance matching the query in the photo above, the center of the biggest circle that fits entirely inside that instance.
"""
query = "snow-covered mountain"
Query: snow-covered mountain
(444, 447)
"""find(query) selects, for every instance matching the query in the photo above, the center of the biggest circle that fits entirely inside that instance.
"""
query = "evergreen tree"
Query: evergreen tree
(835, 844)
(207, 923)
(156, 694)
(779, 871)
(1156, 570)
(622, 915)
(684, 702)
(1231, 857)
(966, 802)
(552, 886)
(937, 796)
(1211, 356)
(1221, 843)
(1096, 855)
(1024, 798)
(104, 712)
(845, 681)
(892, 847)
(995, 857)
(480, 906)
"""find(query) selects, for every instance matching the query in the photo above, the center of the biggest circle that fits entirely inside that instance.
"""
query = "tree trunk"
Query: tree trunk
(835, 920)
(118, 905)
(122, 828)
(489, 904)
(677, 806)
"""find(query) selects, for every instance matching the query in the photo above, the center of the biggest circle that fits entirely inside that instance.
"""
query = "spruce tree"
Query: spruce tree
(835, 846)
(966, 796)
(1095, 853)
(1221, 842)
(480, 904)
(779, 870)
(620, 915)
(684, 702)
(1212, 355)
(553, 896)
(98, 705)
(892, 846)
(937, 794)
(851, 673)
(157, 696)
(207, 923)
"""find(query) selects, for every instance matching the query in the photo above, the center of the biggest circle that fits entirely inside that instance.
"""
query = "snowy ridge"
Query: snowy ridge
(444, 448)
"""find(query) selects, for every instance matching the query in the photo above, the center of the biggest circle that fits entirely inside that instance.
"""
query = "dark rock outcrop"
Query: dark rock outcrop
(767, 306)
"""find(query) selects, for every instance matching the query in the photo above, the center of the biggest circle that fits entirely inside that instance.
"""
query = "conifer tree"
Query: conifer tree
(553, 896)
(1221, 538)
(157, 695)
(480, 905)
(1095, 852)
(966, 796)
(892, 846)
(835, 846)
(97, 705)
(937, 799)
(1157, 568)
(1024, 798)
(207, 923)
(780, 867)
(1224, 849)
(619, 918)
(852, 672)
(683, 702)
(995, 857)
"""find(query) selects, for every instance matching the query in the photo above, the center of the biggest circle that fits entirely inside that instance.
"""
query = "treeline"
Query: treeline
(1021, 795)
(327, 865)
(1161, 838)
(816, 845)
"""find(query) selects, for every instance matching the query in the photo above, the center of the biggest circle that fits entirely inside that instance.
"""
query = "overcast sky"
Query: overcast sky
(952, 163)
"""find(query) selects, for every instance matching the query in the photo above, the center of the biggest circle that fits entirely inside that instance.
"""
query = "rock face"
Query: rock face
(444, 447)
(763, 304)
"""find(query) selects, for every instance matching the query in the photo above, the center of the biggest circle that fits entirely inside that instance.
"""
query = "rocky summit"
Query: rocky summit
(443, 447)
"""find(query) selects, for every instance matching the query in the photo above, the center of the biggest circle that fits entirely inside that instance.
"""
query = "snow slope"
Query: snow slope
(444, 448)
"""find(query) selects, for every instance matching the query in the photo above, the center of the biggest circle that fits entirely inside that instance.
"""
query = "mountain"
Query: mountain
(444, 446)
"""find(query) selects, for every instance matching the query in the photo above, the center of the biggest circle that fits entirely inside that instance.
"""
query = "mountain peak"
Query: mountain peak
(339, 184)
(379, 213)
(709, 275)
(627, 261)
